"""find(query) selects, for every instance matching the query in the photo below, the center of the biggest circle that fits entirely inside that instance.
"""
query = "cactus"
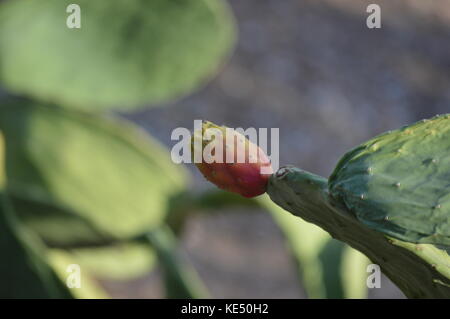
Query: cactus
(326, 268)
(399, 183)
(153, 51)
(388, 198)
(419, 270)
(24, 270)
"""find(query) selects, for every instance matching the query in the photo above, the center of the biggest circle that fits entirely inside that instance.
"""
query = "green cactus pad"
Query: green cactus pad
(419, 270)
(399, 183)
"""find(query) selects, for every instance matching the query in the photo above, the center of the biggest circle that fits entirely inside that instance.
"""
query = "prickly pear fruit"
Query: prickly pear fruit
(230, 161)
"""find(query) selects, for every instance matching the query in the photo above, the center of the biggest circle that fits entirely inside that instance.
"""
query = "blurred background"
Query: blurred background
(313, 69)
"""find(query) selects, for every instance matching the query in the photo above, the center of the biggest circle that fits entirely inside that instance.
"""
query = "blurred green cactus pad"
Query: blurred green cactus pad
(79, 179)
(399, 183)
(127, 53)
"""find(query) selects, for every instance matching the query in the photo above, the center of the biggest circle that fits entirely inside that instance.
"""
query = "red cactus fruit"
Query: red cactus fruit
(230, 161)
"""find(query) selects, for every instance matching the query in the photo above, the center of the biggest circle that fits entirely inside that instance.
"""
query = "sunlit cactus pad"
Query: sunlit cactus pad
(419, 270)
(399, 183)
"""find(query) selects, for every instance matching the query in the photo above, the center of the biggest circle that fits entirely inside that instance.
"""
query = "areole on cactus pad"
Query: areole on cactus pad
(230, 161)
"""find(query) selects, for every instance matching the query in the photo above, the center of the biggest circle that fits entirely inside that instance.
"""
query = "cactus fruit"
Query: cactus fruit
(234, 163)
(388, 198)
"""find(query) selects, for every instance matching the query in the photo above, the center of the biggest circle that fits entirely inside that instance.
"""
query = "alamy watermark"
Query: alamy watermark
(374, 279)
(73, 21)
(374, 19)
(210, 147)
(74, 278)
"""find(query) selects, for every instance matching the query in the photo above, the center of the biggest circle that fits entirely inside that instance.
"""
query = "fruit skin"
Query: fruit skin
(245, 178)
(398, 183)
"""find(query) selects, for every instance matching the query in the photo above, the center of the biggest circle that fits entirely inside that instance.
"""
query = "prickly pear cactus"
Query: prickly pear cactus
(399, 183)
(419, 270)
(388, 198)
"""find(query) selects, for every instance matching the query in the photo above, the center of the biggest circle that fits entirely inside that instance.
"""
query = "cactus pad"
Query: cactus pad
(399, 183)
(419, 270)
